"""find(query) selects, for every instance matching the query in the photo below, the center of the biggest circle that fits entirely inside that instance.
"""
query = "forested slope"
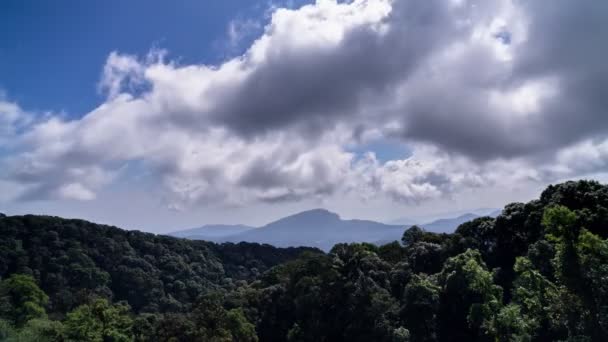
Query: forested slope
(537, 272)
(75, 259)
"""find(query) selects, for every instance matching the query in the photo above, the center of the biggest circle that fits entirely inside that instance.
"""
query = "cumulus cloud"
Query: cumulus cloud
(484, 92)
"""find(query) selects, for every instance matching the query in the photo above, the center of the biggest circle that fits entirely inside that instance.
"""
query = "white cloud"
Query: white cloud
(120, 72)
(274, 124)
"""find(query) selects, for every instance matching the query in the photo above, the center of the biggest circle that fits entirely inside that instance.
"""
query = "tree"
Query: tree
(518, 226)
(173, 327)
(420, 308)
(412, 235)
(478, 234)
(401, 335)
(589, 199)
(469, 298)
(593, 260)
(6, 330)
(425, 257)
(510, 325)
(21, 299)
(144, 326)
(392, 252)
(240, 328)
(99, 321)
(539, 303)
(210, 318)
(581, 258)
(38, 330)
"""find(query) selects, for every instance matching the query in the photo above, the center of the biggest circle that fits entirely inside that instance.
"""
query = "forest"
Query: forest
(537, 272)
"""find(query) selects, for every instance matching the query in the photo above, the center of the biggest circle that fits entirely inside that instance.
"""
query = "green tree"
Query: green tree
(6, 330)
(539, 302)
(144, 326)
(241, 329)
(420, 308)
(469, 298)
(21, 299)
(412, 235)
(425, 257)
(401, 335)
(478, 234)
(172, 327)
(210, 319)
(581, 258)
(518, 226)
(511, 326)
(593, 259)
(99, 321)
(38, 330)
(392, 252)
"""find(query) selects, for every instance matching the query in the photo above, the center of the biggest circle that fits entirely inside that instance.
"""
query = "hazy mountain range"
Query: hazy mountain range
(212, 231)
(428, 219)
(320, 228)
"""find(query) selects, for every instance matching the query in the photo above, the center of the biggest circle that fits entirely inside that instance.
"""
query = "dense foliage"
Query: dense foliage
(538, 272)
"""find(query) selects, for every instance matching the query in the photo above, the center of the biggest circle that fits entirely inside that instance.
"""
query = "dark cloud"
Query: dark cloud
(314, 87)
(567, 40)
(565, 43)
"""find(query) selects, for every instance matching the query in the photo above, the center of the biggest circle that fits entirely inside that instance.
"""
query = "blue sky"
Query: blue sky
(52, 52)
(159, 115)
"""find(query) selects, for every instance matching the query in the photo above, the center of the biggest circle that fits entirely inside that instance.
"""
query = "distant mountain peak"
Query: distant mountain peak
(470, 216)
(318, 211)
(313, 215)
(319, 228)
(212, 231)
(448, 225)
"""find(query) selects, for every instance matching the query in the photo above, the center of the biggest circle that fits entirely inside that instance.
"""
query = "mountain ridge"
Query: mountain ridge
(448, 225)
(211, 232)
(318, 228)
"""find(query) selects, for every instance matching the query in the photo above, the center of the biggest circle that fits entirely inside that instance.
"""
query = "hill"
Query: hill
(318, 228)
(153, 273)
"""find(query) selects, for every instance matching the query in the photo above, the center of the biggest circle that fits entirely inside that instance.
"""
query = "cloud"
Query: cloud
(484, 93)
(241, 30)
(587, 157)
(13, 120)
(120, 72)
(538, 92)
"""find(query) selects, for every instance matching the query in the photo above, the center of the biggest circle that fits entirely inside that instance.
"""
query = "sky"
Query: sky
(157, 115)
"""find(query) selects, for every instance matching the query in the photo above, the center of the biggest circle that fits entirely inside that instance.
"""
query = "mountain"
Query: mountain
(403, 221)
(319, 228)
(212, 232)
(448, 225)
(322, 229)
(450, 215)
